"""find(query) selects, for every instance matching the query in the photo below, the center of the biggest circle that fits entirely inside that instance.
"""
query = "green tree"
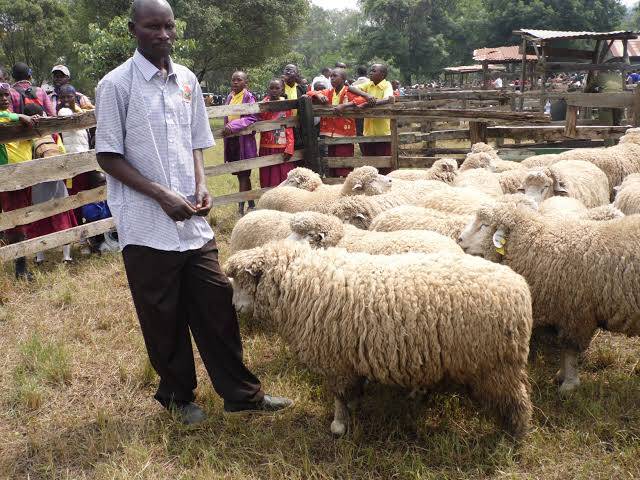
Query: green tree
(36, 32)
(110, 46)
(632, 19)
(415, 35)
(232, 34)
(590, 15)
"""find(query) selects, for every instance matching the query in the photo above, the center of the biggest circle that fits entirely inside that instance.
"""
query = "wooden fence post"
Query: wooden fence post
(395, 146)
(478, 132)
(570, 129)
(311, 152)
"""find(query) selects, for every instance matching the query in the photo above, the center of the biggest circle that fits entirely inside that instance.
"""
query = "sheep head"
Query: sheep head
(487, 233)
(302, 178)
(543, 183)
(632, 135)
(366, 181)
(319, 230)
(445, 169)
(357, 211)
(244, 270)
(477, 160)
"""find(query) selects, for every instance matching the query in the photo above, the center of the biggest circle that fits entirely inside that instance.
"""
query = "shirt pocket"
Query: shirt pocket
(184, 113)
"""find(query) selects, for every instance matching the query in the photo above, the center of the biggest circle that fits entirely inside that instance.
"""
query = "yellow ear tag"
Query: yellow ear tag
(499, 241)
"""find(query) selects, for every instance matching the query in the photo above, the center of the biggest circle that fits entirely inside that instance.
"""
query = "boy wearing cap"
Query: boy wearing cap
(61, 76)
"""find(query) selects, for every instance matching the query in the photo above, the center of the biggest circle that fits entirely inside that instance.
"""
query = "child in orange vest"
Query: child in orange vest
(341, 98)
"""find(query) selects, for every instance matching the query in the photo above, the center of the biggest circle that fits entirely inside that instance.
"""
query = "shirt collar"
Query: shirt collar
(147, 68)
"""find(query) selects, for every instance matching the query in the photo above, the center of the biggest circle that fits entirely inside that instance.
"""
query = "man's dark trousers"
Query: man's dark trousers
(175, 292)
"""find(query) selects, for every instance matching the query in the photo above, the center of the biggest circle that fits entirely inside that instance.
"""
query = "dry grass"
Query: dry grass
(76, 403)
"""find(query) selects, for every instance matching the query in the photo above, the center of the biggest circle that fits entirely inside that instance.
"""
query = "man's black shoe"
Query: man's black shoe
(188, 413)
(268, 404)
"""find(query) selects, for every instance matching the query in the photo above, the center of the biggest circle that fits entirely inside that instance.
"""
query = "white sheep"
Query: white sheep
(562, 206)
(410, 217)
(323, 231)
(628, 195)
(571, 178)
(480, 180)
(411, 320)
(443, 169)
(583, 274)
(362, 181)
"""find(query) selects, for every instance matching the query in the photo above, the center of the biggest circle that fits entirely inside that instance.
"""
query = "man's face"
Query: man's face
(275, 89)
(376, 74)
(154, 29)
(5, 99)
(59, 79)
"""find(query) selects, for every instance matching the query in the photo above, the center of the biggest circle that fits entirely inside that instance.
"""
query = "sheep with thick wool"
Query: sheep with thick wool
(628, 195)
(563, 206)
(412, 320)
(511, 180)
(583, 274)
(443, 170)
(323, 231)
(360, 211)
(410, 217)
(480, 180)
(362, 181)
(570, 178)
(485, 156)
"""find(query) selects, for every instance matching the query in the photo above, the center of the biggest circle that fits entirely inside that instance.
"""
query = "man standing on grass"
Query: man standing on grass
(152, 127)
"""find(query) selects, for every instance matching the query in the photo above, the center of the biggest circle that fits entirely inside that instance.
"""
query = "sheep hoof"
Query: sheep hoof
(569, 386)
(338, 429)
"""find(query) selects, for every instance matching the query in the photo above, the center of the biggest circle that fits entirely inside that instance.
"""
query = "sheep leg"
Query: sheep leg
(569, 370)
(343, 402)
(340, 417)
(506, 393)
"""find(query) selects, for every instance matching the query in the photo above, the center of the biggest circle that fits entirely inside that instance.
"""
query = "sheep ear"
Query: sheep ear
(499, 240)
(322, 235)
(357, 186)
(560, 189)
(359, 215)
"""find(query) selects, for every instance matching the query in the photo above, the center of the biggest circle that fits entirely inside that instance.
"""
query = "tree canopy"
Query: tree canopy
(415, 37)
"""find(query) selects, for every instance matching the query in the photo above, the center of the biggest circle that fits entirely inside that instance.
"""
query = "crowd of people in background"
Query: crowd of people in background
(22, 101)
(332, 86)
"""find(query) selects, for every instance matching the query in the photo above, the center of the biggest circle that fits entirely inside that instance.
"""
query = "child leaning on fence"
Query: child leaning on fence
(15, 152)
(242, 147)
(280, 140)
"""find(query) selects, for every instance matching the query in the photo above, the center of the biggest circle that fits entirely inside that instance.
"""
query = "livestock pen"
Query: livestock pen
(77, 385)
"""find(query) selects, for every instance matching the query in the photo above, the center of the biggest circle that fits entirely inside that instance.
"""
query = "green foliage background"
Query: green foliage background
(416, 37)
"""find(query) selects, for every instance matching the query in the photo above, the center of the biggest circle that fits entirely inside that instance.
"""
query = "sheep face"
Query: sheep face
(476, 235)
(302, 178)
(541, 184)
(244, 270)
(366, 181)
(317, 229)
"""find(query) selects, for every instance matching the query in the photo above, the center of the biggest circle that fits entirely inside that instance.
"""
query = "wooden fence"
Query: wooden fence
(485, 122)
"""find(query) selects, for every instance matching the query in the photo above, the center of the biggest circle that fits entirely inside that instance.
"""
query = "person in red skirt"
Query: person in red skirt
(276, 141)
(341, 98)
(44, 147)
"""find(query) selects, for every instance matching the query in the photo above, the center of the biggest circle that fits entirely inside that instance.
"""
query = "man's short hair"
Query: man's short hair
(361, 71)
(21, 71)
(137, 4)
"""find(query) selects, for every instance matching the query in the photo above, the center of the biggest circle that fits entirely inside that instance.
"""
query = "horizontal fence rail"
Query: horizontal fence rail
(487, 120)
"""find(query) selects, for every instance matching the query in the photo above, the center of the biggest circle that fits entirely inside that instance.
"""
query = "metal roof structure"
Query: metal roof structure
(471, 68)
(545, 35)
(633, 47)
(510, 54)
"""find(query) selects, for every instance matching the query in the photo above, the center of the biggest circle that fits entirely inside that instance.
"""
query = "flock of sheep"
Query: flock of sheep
(424, 276)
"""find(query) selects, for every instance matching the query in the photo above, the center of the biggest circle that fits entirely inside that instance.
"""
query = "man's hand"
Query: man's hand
(339, 109)
(176, 206)
(203, 201)
(322, 99)
(28, 121)
(226, 131)
(371, 100)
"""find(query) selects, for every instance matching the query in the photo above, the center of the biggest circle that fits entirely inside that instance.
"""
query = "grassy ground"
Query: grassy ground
(76, 402)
